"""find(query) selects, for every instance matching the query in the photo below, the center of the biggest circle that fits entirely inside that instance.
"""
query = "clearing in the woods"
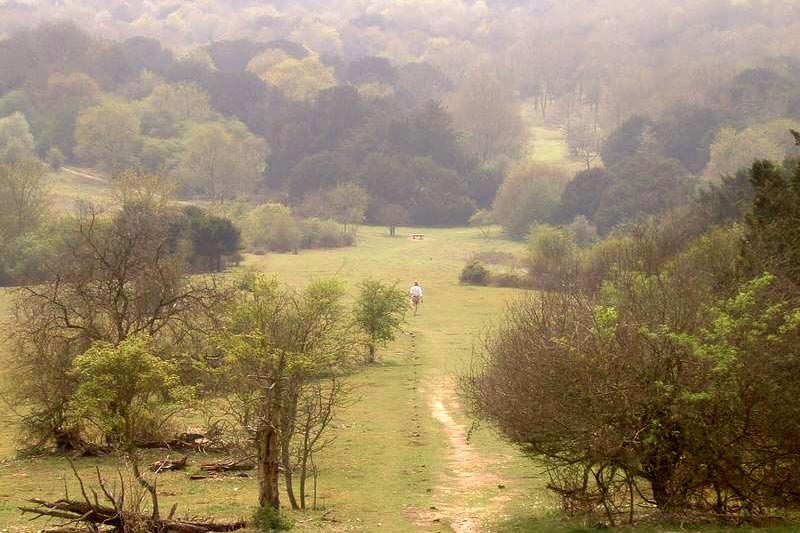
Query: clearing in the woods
(402, 460)
(406, 458)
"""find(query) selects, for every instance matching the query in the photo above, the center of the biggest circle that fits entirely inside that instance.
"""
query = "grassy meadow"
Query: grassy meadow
(391, 468)
(401, 461)
(547, 141)
(405, 458)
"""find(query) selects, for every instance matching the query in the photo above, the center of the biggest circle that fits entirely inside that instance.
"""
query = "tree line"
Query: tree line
(649, 165)
(274, 120)
(611, 56)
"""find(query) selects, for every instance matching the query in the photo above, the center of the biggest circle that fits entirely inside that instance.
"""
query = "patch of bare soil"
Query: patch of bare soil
(84, 175)
(468, 473)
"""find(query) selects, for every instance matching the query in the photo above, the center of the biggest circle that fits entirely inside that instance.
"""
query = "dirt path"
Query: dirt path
(84, 175)
(469, 475)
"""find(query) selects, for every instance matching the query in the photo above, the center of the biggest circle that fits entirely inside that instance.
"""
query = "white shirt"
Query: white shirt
(415, 290)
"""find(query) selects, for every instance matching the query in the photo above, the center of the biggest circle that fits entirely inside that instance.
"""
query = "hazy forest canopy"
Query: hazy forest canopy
(426, 107)
(211, 213)
(301, 97)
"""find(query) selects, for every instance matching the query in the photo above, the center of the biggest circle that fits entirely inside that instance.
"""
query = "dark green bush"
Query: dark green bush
(267, 520)
(475, 273)
(509, 280)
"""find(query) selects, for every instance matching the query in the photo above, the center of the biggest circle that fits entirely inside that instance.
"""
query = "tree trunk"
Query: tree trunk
(660, 474)
(287, 476)
(371, 356)
(268, 447)
(303, 477)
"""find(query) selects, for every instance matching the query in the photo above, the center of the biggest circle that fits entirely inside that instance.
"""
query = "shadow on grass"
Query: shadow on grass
(546, 524)
(556, 524)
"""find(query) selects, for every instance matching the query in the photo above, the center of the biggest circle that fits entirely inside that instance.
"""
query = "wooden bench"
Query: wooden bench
(417, 236)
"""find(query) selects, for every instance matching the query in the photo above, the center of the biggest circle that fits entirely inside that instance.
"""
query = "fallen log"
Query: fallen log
(190, 441)
(185, 441)
(228, 465)
(169, 464)
(119, 514)
(99, 515)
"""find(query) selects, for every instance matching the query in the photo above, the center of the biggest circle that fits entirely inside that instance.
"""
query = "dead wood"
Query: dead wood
(169, 464)
(186, 441)
(113, 515)
(228, 465)
(81, 512)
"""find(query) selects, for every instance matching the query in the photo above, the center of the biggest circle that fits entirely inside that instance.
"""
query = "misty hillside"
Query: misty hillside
(382, 266)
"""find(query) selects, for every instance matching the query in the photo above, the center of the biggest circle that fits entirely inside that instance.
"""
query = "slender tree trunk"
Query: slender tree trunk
(289, 412)
(268, 447)
(303, 477)
(287, 477)
(371, 357)
(315, 474)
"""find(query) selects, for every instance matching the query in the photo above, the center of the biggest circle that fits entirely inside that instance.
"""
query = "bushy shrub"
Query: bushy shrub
(584, 233)
(601, 258)
(475, 273)
(126, 390)
(317, 233)
(671, 384)
(666, 377)
(269, 520)
(645, 247)
(55, 158)
(529, 195)
(271, 227)
(510, 280)
(283, 235)
(330, 235)
(553, 259)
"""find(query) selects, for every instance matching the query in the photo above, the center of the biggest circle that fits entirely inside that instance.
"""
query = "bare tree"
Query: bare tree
(318, 404)
(115, 274)
(584, 138)
(278, 343)
(393, 215)
(23, 198)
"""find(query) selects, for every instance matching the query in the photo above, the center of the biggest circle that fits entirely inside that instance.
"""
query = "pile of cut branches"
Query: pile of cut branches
(118, 509)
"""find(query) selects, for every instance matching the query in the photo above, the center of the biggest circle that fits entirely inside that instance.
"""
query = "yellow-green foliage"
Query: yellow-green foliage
(270, 227)
(126, 389)
(553, 257)
(530, 194)
(300, 79)
(733, 150)
(222, 160)
(106, 135)
(379, 311)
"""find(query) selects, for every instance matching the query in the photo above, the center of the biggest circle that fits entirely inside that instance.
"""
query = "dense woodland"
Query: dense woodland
(652, 362)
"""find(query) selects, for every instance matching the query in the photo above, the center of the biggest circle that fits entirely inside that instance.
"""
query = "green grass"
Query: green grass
(390, 463)
(68, 188)
(389, 458)
(547, 144)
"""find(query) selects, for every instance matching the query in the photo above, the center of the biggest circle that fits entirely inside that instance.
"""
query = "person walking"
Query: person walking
(416, 296)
